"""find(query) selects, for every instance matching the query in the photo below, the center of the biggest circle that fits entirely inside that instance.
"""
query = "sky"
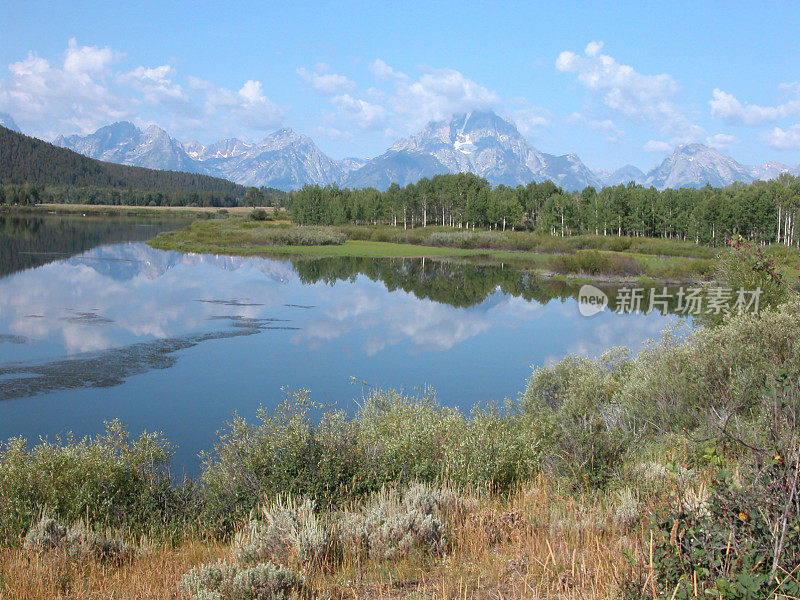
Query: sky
(620, 83)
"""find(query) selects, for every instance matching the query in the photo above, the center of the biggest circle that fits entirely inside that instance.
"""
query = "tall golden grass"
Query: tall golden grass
(535, 543)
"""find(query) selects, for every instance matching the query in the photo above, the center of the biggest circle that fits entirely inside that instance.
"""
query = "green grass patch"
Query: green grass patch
(580, 256)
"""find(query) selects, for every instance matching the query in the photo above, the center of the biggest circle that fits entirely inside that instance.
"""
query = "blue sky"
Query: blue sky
(616, 84)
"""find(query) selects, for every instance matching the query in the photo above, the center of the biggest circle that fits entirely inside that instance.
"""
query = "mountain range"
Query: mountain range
(480, 142)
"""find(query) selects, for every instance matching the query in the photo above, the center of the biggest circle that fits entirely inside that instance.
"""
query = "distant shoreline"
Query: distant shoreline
(107, 209)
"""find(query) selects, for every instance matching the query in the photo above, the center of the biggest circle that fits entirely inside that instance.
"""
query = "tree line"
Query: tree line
(763, 211)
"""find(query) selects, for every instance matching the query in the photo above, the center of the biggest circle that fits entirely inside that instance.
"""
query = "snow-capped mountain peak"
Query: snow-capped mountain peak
(695, 165)
(480, 142)
(124, 143)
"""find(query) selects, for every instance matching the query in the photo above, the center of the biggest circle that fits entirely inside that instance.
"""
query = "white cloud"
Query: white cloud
(332, 133)
(156, 84)
(328, 83)
(729, 108)
(383, 71)
(249, 106)
(87, 59)
(781, 139)
(440, 93)
(656, 146)
(364, 114)
(632, 95)
(721, 141)
(607, 127)
(399, 104)
(71, 97)
(86, 90)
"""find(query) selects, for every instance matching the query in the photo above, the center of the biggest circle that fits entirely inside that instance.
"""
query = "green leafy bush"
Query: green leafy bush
(393, 439)
(574, 405)
(111, 480)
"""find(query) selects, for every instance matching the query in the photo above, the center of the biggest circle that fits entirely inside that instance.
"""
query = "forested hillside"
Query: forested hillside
(34, 171)
(27, 160)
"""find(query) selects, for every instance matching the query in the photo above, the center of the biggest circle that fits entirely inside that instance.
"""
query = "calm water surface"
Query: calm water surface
(95, 325)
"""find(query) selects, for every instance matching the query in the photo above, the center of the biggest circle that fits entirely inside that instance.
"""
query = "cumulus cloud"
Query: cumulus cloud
(400, 104)
(364, 114)
(783, 139)
(657, 146)
(383, 71)
(728, 107)
(632, 95)
(321, 80)
(248, 106)
(85, 89)
(156, 84)
(438, 94)
(71, 96)
(87, 59)
(721, 141)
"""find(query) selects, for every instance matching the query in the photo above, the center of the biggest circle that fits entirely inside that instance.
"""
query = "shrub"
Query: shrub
(78, 541)
(393, 525)
(288, 531)
(415, 439)
(258, 214)
(575, 407)
(225, 581)
(291, 236)
(590, 414)
(394, 438)
(285, 452)
(741, 543)
(744, 266)
(742, 540)
(110, 479)
(592, 262)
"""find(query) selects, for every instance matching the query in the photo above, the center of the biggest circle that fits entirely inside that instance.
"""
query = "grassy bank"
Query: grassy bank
(671, 474)
(587, 256)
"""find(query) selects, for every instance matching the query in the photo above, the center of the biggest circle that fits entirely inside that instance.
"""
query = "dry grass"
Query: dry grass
(538, 543)
(30, 576)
